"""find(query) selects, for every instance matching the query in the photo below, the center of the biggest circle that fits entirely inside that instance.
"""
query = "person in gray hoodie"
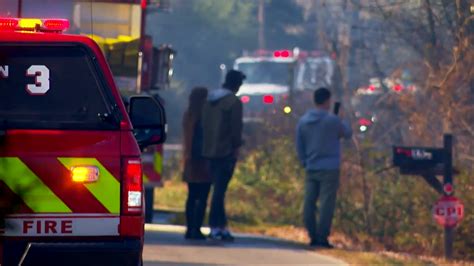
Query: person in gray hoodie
(318, 146)
(222, 137)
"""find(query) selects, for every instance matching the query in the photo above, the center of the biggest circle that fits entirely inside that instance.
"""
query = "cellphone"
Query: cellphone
(337, 105)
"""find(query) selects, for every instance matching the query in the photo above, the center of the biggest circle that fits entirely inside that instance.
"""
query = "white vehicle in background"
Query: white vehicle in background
(315, 71)
(277, 79)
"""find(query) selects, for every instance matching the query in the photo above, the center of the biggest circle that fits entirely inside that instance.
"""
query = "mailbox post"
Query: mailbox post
(430, 162)
(448, 183)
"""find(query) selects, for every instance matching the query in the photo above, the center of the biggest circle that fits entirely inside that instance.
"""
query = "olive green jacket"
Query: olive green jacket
(222, 124)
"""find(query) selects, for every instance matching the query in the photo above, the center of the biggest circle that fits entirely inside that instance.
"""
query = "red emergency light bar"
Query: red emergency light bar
(33, 24)
(276, 53)
(8, 24)
(282, 53)
(56, 24)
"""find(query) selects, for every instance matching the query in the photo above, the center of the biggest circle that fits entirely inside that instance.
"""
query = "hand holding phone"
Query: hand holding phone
(337, 106)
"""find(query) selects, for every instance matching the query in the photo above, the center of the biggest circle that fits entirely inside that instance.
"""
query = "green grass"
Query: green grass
(172, 196)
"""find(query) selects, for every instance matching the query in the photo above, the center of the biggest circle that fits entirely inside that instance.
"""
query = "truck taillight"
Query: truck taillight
(132, 186)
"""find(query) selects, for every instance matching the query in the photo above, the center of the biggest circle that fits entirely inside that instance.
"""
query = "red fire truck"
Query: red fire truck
(277, 79)
(118, 27)
(69, 150)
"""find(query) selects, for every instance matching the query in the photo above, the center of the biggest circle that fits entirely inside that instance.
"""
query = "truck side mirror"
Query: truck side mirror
(148, 119)
(163, 66)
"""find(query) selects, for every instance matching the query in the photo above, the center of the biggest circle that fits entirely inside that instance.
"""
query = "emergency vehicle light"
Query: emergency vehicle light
(29, 23)
(268, 99)
(397, 87)
(33, 24)
(56, 24)
(85, 174)
(365, 122)
(8, 24)
(245, 99)
(282, 53)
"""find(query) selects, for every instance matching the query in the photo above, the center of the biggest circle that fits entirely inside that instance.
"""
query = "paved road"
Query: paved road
(164, 245)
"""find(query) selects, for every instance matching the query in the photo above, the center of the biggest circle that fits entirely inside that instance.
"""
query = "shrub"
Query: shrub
(373, 208)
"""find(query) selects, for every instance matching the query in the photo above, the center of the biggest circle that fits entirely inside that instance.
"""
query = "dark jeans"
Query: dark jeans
(321, 184)
(222, 170)
(196, 205)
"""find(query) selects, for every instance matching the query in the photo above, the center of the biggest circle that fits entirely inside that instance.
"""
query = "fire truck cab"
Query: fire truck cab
(70, 163)
(278, 80)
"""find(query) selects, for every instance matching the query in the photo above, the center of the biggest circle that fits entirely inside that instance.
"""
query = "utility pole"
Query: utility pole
(141, 63)
(261, 24)
(333, 35)
(20, 6)
(355, 39)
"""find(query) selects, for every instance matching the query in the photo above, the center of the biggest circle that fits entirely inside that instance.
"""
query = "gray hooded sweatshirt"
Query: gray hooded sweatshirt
(318, 140)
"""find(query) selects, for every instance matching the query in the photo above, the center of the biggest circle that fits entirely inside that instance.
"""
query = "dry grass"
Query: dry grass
(354, 253)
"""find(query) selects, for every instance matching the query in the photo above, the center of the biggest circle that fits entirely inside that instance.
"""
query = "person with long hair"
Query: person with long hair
(222, 127)
(196, 167)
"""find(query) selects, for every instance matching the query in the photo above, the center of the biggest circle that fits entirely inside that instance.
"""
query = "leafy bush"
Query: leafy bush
(374, 209)
(268, 185)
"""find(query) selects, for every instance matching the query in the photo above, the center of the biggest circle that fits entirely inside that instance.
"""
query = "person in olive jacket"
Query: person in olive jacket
(222, 127)
(196, 167)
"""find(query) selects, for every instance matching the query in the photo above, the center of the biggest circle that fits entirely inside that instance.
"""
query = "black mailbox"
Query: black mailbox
(418, 160)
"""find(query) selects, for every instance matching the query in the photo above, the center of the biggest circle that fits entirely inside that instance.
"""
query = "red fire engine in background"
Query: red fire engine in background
(139, 66)
(279, 81)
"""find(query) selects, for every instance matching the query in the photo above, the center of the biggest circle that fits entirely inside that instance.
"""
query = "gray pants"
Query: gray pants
(322, 184)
